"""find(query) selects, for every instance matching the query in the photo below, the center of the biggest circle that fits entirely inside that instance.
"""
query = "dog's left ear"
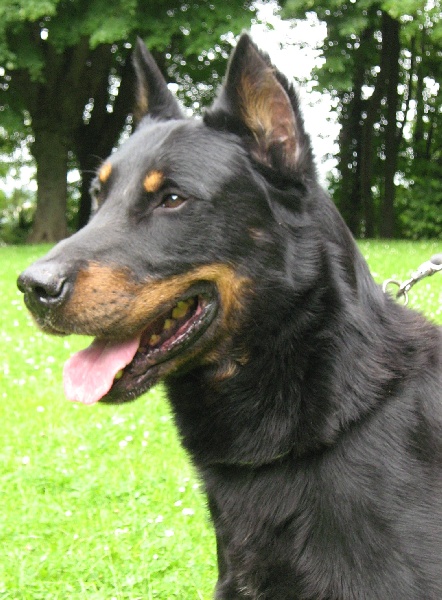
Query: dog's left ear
(262, 103)
(153, 96)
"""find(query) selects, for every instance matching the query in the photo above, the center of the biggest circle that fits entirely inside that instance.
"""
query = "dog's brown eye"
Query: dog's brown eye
(172, 201)
(95, 192)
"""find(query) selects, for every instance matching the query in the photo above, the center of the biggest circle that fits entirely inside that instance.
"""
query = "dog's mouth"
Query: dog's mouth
(118, 371)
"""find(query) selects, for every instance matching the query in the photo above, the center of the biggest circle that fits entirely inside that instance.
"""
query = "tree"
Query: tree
(67, 78)
(382, 65)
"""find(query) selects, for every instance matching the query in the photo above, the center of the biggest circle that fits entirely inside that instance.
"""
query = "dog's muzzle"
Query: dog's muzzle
(44, 287)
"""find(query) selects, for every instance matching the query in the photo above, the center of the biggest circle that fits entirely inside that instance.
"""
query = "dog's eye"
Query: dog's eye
(172, 201)
(94, 193)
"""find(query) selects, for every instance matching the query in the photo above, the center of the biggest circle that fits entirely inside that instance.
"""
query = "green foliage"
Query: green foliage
(62, 63)
(420, 209)
(355, 73)
(16, 212)
(188, 28)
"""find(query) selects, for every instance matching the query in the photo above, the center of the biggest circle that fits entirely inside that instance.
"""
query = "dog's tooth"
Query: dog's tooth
(119, 374)
(180, 309)
(154, 339)
(168, 324)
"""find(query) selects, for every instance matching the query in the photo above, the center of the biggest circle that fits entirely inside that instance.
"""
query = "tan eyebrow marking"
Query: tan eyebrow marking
(104, 172)
(153, 180)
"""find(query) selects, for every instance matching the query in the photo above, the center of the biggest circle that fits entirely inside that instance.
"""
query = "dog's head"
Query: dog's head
(189, 231)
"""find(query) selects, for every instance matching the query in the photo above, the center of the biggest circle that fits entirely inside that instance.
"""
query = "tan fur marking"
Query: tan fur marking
(108, 302)
(226, 371)
(267, 112)
(104, 172)
(153, 181)
(142, 105)
(257, 102)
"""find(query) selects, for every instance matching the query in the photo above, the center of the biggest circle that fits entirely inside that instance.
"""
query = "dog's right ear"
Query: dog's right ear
(153, 96)
(257, 102)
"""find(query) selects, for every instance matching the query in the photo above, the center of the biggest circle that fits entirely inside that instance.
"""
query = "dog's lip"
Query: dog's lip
(154, 361)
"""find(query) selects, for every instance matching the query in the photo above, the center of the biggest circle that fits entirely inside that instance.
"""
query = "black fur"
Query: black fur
(320, 448)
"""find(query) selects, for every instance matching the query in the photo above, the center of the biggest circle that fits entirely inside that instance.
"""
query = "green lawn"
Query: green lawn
(100, 502)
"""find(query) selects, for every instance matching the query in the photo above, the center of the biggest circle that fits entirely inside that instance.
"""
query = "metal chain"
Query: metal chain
(426, 269)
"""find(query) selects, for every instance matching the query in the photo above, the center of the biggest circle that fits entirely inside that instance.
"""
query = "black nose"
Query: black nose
(45, 287)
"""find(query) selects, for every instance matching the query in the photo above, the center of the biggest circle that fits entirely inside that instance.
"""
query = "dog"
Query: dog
(307, 399)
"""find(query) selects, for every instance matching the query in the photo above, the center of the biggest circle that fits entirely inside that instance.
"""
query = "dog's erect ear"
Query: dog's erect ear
(153, 96)
(259, 96)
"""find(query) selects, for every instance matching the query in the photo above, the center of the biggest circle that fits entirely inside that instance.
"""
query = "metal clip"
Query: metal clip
(426, 269)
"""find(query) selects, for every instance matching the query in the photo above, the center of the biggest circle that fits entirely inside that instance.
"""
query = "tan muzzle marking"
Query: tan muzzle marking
(107, 301)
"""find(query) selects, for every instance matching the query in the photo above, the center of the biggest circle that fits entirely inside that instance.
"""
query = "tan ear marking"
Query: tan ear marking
(153, 180)
(142, 103)
(267, 112)
(104, 172)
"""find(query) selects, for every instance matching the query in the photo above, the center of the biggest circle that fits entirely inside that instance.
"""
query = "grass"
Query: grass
(101, 503)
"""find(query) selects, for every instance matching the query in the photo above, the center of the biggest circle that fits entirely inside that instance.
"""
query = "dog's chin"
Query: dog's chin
(168, 344)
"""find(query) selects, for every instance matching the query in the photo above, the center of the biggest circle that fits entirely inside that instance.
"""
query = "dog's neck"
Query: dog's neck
(297, 409)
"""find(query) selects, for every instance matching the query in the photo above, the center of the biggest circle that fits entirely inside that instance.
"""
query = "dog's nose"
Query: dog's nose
(44, 287)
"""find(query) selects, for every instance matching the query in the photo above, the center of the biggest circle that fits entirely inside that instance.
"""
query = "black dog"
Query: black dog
(309, 402)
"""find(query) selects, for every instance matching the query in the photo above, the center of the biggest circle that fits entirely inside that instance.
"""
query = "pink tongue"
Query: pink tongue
(88, 375)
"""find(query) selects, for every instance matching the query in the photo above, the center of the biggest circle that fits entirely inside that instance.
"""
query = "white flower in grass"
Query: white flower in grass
(169, 533)
(188, 511)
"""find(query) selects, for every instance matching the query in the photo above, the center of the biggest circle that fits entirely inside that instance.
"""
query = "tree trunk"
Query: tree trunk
(391, 47)
(94, 141)
(50, 151)
(368, 153)
(349, 196)
(352, 201)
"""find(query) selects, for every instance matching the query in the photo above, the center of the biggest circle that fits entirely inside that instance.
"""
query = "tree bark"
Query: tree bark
(50, 150)
(368, 153)
(356, 201)
(95, 140)
(391, 48)
(349, 142)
